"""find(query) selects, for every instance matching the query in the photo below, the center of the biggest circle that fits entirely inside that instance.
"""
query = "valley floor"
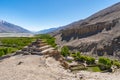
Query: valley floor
(16, 35)
(35, 67)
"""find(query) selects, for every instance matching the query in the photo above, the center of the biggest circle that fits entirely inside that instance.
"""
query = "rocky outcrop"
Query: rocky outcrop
(101, 48)
(87, 30)
(101, 39)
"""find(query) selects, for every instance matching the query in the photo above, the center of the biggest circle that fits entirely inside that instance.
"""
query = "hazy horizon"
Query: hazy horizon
(36, 15)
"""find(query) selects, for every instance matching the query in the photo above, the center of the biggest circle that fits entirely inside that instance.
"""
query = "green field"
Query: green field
(48, 39)
(12, 44)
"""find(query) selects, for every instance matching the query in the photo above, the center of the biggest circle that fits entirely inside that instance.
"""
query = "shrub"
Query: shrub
(65, 51)
(82, 58)
(73, 55)
(104, 63)
(116, 63)
(90, 60)
(76, 55)
(1, 53)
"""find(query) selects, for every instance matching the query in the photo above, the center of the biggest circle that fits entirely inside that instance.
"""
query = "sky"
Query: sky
(36, 15)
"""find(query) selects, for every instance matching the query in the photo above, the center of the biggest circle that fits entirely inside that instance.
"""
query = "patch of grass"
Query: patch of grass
(94, 69)
(70, 61)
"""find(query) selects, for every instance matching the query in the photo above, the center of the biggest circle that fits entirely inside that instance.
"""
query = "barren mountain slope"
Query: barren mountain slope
(6, 27)
(97, 34)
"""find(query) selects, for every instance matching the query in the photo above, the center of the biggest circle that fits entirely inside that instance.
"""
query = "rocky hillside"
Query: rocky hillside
(98, 34)
(6, 27)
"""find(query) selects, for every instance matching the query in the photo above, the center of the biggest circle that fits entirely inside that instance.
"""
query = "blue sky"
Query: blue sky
(36, 15)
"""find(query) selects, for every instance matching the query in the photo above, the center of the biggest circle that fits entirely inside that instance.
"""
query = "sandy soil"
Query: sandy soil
(34, 67)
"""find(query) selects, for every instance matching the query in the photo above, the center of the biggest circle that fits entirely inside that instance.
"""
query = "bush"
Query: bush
(76, 55)
(65, 51)
(116, 63)
(88, 59)
(104, 63)
(82, 58)
(1, 53)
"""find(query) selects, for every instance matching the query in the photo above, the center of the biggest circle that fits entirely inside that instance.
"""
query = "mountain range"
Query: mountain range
(6, 27)
(45, 31)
